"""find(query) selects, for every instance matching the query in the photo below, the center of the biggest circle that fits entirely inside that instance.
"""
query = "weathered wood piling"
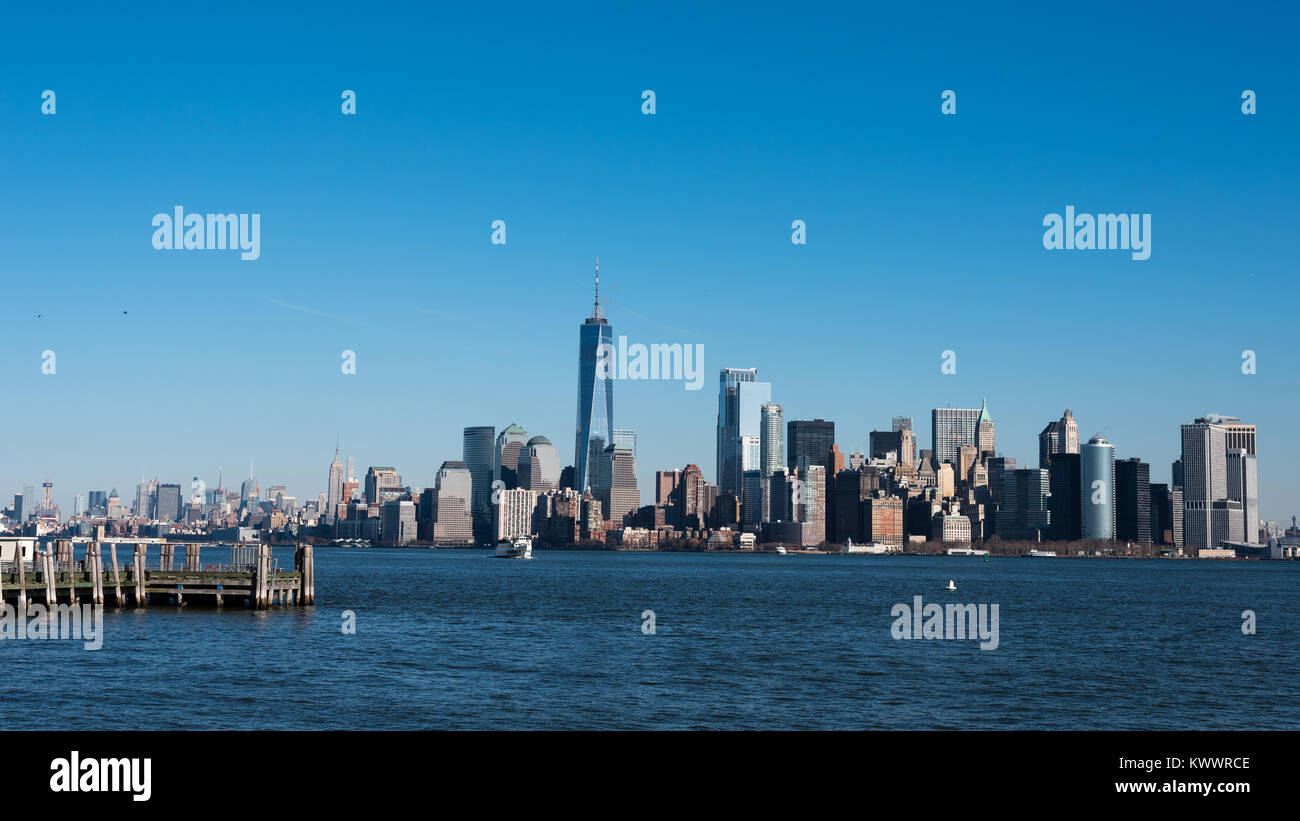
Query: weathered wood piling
(251, 577)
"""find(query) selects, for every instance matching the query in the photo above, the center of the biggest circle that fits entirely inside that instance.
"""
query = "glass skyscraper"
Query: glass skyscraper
(740, 400)
(1097, 476)
(595, 427)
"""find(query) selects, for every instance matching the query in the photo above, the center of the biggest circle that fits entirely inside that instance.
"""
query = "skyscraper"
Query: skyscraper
(1133, 500)
(985, 442)
(335, 492)
(478, 452)
(1061, 436)
(617, 491)
(950, 428)
(383, 484)
(808, 442)
(1025, 514)
(625, 436)
(771, 438)
(595, 425)
(453, 489)
(1207, 515)
(1243, 488)
(506, 460)
(740, 400)
(1097, 475)
(539, 466)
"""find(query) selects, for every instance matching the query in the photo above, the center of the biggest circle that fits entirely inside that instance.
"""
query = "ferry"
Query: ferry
(966, 551)
(1042, 553)
(873, 549)
(521, 548)
(780, 549)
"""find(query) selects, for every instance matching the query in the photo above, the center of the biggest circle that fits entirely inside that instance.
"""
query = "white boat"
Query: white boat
(521, 548)
(1048, 553)
(780, 549)
(873, 549)
(952, 585)
(966, 551)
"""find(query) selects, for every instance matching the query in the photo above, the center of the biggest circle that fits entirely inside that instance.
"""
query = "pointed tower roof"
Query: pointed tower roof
(984, 413)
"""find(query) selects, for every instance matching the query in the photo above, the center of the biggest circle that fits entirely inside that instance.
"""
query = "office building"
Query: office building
(740, 402)
(539, 465)
(1133, 501)
(595, 427)
(453, 522)
(478, 452)
(1066, 505)
(808, 442)
(506, 459)
(1025, 513)
(1097, 477)
(950, 429)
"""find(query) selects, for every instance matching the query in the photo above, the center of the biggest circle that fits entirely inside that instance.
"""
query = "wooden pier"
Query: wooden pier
(250, 579)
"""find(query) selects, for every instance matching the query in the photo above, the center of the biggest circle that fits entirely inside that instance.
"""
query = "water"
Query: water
(457, 639)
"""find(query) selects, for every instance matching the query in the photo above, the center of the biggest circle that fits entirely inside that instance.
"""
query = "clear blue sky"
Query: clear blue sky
(924, 231)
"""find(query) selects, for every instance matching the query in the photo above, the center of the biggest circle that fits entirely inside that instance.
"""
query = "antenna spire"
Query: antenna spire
(596, 310)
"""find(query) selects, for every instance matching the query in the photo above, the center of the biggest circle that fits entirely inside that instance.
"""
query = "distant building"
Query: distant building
(1025, 514)
(383, 484)
(950, 428)
(950, 528)
(1243, 488)
(397, 523)
(1097, 475)
(740, 401)
(514, 512)
(478, 452)
(1066, 505)
(453, 523)
(595, 426)
(539, 465)
(1133, 501)
(808, 442)
(167, 506)
(617, 491)
(510, 442)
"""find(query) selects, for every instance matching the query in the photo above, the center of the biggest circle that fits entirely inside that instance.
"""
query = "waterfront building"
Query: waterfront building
(1066, 505)
(739, 432)
(595, 426)
(950, 528)
(1097, 478)
(397, 522)
(453, 522)
(478, 452)
(810, 504)
(1243, 488)
(1025, 513)
(883, 520)
(1208, 515)
(383, 484)
(1133, 501)
(513, 513)
(617, 492)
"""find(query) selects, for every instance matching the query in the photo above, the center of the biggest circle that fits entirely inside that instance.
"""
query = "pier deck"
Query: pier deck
(251, 579)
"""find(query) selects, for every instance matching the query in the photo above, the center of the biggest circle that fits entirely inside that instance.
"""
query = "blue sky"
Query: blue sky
(924, 231)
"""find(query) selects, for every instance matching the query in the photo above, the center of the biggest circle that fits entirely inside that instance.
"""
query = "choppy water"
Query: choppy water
(457, 639)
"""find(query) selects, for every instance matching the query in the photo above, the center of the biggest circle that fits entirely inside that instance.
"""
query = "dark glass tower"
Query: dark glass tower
(595, 428)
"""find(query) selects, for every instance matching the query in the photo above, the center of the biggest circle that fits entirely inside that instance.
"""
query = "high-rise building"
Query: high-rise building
(539, 466)
(907, 456)
(740, 401)
(625, 436)
(397, 524)
(810, 504)
(506, 460)
(167, 506)
(1097, 476)
(78, 504)
(617, 491)
(694, 498)
(808, 442)
(1067, 497)
(514, 513)
(383, 484)
(950, 428)
(771, 444)
(334, 493)
(1206, 514)
(998, 466)
(1243, 488)
(985, 440)
(47, 496)
(478, 452)
(1133, 501)
(1025, 513)
(666, 483)
(595, 427)
(1162, 525)
(453, 523)
(1061, 436)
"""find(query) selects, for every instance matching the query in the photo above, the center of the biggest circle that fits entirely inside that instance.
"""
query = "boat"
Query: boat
(952, 585)
(521, 548)
(1042, 553)
(873, 549)
(780, 549)
(966, 551)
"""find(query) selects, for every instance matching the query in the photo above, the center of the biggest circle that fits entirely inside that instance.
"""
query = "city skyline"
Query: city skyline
(924, 235)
